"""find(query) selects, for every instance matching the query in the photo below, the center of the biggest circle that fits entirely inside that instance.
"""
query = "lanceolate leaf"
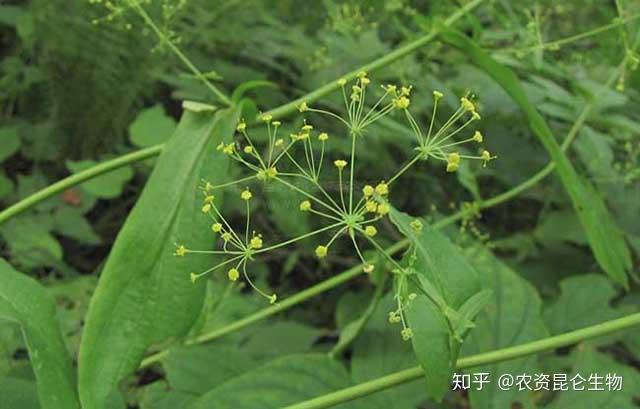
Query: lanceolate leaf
(145, 295)
(24, 301)
(604, 237)
(447, 300)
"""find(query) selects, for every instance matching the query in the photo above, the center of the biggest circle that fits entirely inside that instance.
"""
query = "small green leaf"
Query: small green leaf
(243, 88)
(107, 186)
(446, 283)
(24, 301)
(152, 126)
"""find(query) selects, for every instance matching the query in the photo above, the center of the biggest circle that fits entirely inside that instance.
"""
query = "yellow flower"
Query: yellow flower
(279, 142)
(406, 90)
(226, 236)
(276, 123)
(416, 225)
(370, 231)
(452, 167)
(407, 334)
(340, 164)
(342, 82)
(475, 115)
(193, 277)
(241, 126)
(273, 298)
(246, 195)
(306, 128)
(233, 274)
(228, 149)
(453, 162)
(209, 199)
(272, 172)
(303, 107)
(305, 205)
(486, 157)
(401, 102)
(256, 242)
(220, 146)
(321, 251)
(382, 188)
(437, 94)
(477, 136)
(383, 208)
(248, 149)
(181, 251)
(323, 136)
(467, 104)
(266, 117)
(206, 208)
(371, 206)
(368, 190)
(394, 318)
(216, 227)
(368, 268)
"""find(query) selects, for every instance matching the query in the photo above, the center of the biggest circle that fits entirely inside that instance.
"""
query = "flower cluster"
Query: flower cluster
(297, 161)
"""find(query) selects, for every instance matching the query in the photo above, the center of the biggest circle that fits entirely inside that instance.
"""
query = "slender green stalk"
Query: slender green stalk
(276, 113)
(76, 179)
(530, 348)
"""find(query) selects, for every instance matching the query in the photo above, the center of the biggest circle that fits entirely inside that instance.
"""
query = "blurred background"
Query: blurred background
(77, 88)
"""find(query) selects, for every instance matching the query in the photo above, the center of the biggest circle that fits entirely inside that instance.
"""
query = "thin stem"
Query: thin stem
(302, 237)
(504, 354)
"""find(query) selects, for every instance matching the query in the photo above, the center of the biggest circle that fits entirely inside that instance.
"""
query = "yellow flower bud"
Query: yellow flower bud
(305, 205)
(342, 82)
(382, 188)
(181, 251)
(407, 334)
(416, 225)
(226, 236)
(340, 164)
(241, 126)
(276, 123)
(256, 242)
(246, 195)
(371, 206)
(368, 190)
(370, 231)
(477, 136)
(273, 298)
(303, 107)
(383, 208)
(206, 208)
(323, 137)
(321, 251)
(368, 268)
(266, 117)
(279, 142)
(193, 277)
(233, 274)
(437, 94)
(467, 104)
(401, 102)
(248, 149)
(216, 227)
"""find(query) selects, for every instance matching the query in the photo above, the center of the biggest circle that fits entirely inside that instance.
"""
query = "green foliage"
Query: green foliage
(142, 298)
(24, 301)
(505, 258)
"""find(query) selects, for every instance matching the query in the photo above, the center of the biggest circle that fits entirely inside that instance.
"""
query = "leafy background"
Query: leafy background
(74, 93)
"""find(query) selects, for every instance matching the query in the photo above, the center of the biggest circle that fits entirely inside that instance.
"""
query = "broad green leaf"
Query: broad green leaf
(380, 351)
(31, 242)
(107, 186)
(151, 127)
(284, 203)
(24, 301)
(19, 394)
(590, 362)
(144, 295)
(9, 142)
(70, 222)
(511, 318)
(604, 237)
(447, 282)
(584, 300)
(279, 383)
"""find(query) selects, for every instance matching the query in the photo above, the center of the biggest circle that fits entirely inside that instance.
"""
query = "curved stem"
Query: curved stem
(78, 178)
(530, 348)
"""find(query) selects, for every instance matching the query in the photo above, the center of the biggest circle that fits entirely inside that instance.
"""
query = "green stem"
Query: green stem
(276, 113)
(76, 179)
(530, 348)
